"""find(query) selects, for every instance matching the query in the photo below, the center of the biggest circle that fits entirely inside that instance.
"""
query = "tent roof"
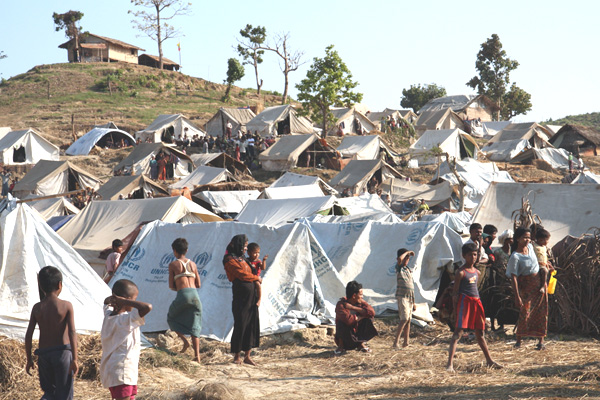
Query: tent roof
(364, 204)
(400, 190)
(241, 115)
(292, 192)
(456, 103)
(430, 119)
(220, 160)
(56, 206)
(586, 177)
(204, 175)
(228, 201)
(277, 212)
(272, 115)
(84, 144)
(102, 221)
(432, 138)
(357, 171)
(505, 150)
(143, 150)
(557, 158)
(165, 120)
(12, 138)
(353, 145)
(293, 179)
(30, 244)
(523, 130)
(126, 184)
(288, 148)
(564, 209)
(45, 169)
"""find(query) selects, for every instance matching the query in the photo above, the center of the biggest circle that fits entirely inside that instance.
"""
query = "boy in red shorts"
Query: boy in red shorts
(467, 306)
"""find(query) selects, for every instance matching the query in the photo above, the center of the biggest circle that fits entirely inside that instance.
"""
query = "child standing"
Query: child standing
(113, 260)
(542, 237)
(120, 336)
(405, 294)
(57, 351)
(257, 266)
(467, 305)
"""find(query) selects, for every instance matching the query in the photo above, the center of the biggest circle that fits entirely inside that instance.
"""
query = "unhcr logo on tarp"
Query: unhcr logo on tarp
(201, 260)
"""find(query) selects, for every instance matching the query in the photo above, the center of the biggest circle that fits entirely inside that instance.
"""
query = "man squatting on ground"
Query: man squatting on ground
(353, 321)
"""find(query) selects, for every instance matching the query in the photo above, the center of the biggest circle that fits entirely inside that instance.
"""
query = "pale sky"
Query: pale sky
(388, 45)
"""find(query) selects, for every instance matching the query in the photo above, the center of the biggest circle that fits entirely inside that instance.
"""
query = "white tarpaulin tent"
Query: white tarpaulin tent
(365, 203)
(556, 158)
(362, 147)
(490, 128)
(564, 209)
(138, 161)
(505, 150)
(100, 137)
(278, 120)
(220, 160)
(230, 202)
(457, 221)
(26, 147)
(356, 175)
(54, 177)
(53, 207)
(166, 126)
(586, 177)
(291, 192)
(284, 154)
(204, 176)
(478, 177)
(309, 266)
(401, 190)
(366, 217)
(346, 118)
(28, 245)
(277, 212)
(536, 134)
(238, 117)
(137, 185)
(455, 142)
(293, 179)
(102, 221)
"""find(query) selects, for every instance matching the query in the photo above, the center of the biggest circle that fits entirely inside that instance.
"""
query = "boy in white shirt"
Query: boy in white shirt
(120, 336)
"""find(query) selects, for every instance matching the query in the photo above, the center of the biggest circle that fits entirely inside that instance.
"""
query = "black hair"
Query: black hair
(533, 228)
(235, 248)
(49, 278)
(518, 233)
(116, 243)
(469, 248)
(180, 246)
(474, 226)
(541, 233)
(401, 251)
(351, 288)
(253, 246)
(124, 288)
(490, 229)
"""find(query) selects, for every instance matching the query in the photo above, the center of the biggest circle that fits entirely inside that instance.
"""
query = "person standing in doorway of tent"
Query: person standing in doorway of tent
(6, 175)
(228, 129)
(246, 324)
(522, 269)
(185, 313)
(405, 294)
(153, 168)
(353, 321)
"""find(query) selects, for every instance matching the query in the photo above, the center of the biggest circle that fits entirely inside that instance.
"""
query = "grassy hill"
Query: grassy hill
(46, 97)
(590, 119)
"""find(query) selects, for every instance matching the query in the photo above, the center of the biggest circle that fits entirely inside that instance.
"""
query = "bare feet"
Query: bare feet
(186, 345)
(494, 365)
(405, 344)
(237, 360)
(543, 289)
(197, 359)
(249, 361)
(450, 368)
(395, 345)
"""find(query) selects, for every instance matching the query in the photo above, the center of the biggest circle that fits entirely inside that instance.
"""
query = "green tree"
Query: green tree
(328, 83)
(249, 48)
(494, 67)
(69, 22)
(155, 22)
(418, 95)
(291, 60)
(235, 72)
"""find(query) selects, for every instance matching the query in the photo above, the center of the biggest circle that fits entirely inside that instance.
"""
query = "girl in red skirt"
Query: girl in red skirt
(468, 307)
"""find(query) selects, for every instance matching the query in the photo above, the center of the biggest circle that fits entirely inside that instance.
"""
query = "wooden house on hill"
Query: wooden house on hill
(95, 48)
(577, 139)
(154, 62)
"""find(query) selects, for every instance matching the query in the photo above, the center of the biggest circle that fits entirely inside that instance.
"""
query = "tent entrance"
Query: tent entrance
(138, 194)
(19, 155)
(72, 182)
(168, 135)
(283, 127)
(467, 148)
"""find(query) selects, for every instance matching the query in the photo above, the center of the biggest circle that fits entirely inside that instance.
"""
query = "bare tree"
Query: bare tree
(153, 23)
(291, 61)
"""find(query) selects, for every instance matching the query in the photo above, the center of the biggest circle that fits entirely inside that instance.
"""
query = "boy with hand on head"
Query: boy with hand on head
(405, 294)
(542, 237)
(257, 266)
(120, 336)
(468, 307)
(57, 351)
(113, 260)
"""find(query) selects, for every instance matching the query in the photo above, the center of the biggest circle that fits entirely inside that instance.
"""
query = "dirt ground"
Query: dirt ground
(301, 364)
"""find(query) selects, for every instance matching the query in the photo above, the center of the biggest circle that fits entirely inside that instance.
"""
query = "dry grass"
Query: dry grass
(301, 365)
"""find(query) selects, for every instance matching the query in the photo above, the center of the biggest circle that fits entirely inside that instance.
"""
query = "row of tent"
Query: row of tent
(310, 259)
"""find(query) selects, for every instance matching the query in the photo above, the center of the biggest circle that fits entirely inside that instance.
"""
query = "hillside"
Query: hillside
(589, 119)
(46, 97)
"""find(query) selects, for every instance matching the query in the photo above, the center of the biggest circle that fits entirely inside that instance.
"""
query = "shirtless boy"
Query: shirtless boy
(57, 349)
